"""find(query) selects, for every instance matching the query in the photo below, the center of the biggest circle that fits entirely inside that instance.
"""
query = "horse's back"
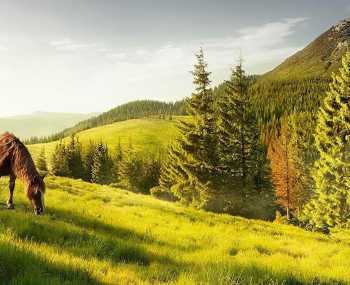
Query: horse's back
(6, 140)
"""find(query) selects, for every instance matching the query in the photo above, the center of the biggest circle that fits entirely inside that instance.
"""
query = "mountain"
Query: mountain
(40, 123)
(319, 58)
(301, 81)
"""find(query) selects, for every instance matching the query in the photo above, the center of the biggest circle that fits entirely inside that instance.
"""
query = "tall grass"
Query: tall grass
(99, 235)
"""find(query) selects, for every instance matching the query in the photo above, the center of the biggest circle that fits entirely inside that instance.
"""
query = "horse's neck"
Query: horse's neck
(25, 168)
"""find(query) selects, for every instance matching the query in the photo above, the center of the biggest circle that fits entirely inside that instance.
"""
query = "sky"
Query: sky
(92, 55)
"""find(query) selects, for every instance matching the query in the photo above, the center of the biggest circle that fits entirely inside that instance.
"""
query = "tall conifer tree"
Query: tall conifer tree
(41, 162)
(191, 170)
(239, 145)
(331, 203)
(101, 171)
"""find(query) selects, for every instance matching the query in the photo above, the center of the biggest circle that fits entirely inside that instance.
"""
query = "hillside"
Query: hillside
(132, 110)
(40, 123)
(319, 58)
(99, 235)
(144, 135)
(300, 82)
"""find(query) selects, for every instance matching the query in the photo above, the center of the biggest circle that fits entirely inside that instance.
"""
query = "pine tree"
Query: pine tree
(74, 158)
(88, 161)
(191, 173)
(239, 144)
(59, 161)
(173, 175)
(117, 162)
(101, 171)
(330, 205)
(41, 162)
(303, 153)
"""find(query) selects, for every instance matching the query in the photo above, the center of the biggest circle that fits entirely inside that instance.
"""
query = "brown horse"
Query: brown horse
(16, 161)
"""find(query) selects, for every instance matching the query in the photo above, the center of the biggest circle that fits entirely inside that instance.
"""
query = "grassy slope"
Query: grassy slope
(98, 235)
(145, 135)
(40, 124)
(318, 59)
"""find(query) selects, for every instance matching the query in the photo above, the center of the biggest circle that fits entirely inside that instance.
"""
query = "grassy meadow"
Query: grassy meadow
(100, 235)
(145, 135)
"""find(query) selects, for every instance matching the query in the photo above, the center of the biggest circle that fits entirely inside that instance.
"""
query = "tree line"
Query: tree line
(95, 163)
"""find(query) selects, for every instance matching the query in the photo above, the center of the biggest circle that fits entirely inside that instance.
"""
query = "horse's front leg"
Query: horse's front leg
(10, 204)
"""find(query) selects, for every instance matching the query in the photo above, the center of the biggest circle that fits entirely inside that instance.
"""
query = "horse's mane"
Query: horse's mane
(22, 163)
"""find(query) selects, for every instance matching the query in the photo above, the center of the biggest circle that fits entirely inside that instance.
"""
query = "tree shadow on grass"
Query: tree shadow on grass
(84, 237)
(18, 266)
(229, 273)
(98, 226)
(113, 246)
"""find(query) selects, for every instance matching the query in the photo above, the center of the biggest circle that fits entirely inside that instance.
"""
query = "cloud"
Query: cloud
(117, 55)
(262, 48)
(3, 48)
(119, 75)
(69, 45)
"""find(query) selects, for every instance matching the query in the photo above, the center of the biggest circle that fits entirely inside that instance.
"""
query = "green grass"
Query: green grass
(99, 235)
(145, 135)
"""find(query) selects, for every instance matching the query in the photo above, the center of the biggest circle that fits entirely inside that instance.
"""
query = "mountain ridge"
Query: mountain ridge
(319, 58)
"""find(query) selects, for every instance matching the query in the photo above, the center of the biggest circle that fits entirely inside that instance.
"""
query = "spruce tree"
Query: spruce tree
(239, 148)
(330, 204)
(41, 162)
(88, 161)
(102, 165)
(59, 162)
(74, 158)
(303, 154)
(117, 162)
(192, 170)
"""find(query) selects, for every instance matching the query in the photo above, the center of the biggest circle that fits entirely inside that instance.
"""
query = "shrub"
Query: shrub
(162, 194)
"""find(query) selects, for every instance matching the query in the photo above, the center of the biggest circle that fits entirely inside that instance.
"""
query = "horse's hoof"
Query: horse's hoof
(10, 206)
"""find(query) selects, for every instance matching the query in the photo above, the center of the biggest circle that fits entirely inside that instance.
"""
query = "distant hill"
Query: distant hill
(147, 136)
(132, 110)
(40, 123)
(319, 58)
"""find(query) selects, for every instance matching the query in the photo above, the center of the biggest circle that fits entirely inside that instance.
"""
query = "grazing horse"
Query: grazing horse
(16, 161)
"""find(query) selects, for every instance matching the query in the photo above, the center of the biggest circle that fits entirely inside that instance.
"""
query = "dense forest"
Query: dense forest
(131, 110)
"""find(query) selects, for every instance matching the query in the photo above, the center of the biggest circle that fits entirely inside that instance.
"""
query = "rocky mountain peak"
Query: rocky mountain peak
(342, 25)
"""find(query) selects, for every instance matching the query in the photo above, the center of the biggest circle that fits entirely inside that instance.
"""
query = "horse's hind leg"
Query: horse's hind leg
(10, 204)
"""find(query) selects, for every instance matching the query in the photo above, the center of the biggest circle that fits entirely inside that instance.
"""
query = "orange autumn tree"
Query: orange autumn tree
(283, 169)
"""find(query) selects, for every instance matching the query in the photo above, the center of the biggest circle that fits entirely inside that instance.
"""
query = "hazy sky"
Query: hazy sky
(88, 56)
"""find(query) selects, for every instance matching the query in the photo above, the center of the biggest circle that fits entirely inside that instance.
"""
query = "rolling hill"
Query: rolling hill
(147, 135)
(40, 123)
(132, 110)
(136, 239)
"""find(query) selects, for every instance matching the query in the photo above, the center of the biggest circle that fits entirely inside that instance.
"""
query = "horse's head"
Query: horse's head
(36, 193)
